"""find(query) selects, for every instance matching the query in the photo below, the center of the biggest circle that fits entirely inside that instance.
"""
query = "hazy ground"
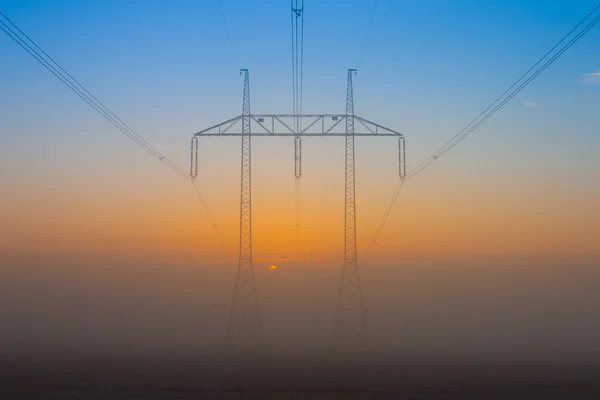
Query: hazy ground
(132, 331)
(307, 377)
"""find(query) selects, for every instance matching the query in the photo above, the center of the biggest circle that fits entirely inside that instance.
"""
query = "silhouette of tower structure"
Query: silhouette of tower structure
(244, 320)
(350, 320)
(350, 325)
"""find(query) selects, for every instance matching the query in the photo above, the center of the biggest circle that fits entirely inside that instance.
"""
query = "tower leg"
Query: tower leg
(244, 322)
(350, 321)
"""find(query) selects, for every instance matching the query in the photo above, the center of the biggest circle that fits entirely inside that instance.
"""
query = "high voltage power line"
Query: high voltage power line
(297, 25)
(511, 92)
(364, 46)
(210, 217)
(59, 72)
(17, 35)
(227, 31)
(297, 19)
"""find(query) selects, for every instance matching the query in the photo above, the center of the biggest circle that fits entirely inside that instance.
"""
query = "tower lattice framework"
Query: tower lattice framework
(244, 321)
(350, 324)
(350, 319)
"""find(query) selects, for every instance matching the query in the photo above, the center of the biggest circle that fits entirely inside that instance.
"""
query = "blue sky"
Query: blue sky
(423, 58)
(168, 70)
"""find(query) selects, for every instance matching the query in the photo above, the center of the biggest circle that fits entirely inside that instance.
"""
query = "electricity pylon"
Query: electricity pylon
(350, 321)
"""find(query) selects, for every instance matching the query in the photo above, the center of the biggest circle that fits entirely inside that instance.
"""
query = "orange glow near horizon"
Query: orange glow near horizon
(415, 230)
(431, 220)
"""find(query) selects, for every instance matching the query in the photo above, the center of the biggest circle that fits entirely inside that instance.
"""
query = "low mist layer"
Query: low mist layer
(51, 306)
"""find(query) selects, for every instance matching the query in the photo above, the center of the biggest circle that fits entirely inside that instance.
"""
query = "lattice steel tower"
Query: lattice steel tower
(350, 323)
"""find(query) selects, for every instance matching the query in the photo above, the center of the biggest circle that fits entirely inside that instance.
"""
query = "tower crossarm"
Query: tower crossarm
(312, 125)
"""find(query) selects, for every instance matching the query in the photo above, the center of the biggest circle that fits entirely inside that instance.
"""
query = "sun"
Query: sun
(272, 268)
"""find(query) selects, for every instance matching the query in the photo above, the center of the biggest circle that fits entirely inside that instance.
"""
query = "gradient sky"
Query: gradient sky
(523, 188)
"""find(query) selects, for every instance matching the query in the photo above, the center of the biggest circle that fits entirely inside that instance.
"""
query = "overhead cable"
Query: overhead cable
(364, 46)
(512, 91)
(228, 33)
(17, 35)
